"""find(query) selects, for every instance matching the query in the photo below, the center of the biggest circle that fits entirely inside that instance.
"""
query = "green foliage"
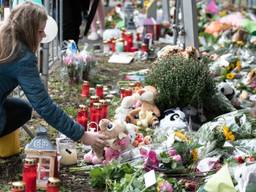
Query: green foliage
(181, 82)
(101, 176)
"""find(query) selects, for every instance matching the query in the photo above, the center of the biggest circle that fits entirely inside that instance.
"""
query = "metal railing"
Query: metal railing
(48, 53)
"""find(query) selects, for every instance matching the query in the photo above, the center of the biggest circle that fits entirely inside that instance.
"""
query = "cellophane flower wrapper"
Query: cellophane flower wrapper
(77, 64)
(212, 135)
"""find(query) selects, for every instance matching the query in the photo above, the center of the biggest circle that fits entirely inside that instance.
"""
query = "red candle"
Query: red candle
(122, 92)
(93, 99)
(104, 110)
(85, 89)
(18, 186)
(129, 42)
(113, 45)
(82, 116)
(53, 185)
(137, 36)
(99, 91)
(29, 175)
(144, 47)
(95, 114)
(128, 92)
(133, 49)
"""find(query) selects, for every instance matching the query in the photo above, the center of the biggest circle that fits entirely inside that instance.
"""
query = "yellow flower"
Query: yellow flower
(240, 43)
(194, 154)
(159, 185)
(230, 76)
(238, 65)
(181, 136)
(228, 134)
(222, 13)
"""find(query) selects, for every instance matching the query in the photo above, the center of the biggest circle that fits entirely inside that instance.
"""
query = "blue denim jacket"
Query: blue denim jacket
(23, 71)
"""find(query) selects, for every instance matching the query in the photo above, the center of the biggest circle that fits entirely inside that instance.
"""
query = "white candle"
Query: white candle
(68, 156)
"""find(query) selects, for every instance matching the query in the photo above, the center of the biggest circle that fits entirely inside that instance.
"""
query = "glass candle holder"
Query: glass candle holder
(29, 175)
(95, 114)
(122, 92)
(53, 184)
(128, 92)
(68, 152)
(82, 116)
(18, 186)
(85, 89)
(93, 99)
(104, 110)
(99, 91)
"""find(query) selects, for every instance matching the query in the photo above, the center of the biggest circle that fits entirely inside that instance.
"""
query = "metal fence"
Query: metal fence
(48, 53)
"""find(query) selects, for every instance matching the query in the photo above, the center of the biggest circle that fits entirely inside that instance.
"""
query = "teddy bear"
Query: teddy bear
(148, 113)
(118, 140)
(128, 103)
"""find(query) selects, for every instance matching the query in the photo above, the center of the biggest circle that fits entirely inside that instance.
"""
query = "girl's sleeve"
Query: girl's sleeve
(29, 79)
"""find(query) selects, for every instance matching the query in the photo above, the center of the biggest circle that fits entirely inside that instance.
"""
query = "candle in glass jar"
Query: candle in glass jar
(68, 152)
(119, 45)
(104, 110)
(53, 185)
(128, 92)
(113, 45)
(129, 42)
(29, 175)
(85, 89)
(144, 47)
(122, 92)
(95, 114)
(99, 90)
(93, 99)
(18, 186)
(82, 116)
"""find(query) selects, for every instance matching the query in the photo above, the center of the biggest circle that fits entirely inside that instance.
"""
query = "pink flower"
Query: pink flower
(143, 152)
(166, 187)
(152, 161)
(172, 152)
(212, 7)
(177, 158)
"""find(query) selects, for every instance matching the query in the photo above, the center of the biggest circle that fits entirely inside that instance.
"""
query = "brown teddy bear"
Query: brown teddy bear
(147, 114)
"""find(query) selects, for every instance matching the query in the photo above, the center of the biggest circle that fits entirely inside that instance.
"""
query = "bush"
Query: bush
(181, 82)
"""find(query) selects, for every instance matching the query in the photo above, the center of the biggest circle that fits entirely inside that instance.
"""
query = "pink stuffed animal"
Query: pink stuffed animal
(118, 141)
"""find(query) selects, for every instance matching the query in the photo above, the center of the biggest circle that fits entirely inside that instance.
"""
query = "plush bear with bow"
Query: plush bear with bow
(118, 140)
(148, 113)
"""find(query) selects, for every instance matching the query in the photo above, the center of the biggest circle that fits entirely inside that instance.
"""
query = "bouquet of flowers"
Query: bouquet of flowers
(229, 127)
(77, 64)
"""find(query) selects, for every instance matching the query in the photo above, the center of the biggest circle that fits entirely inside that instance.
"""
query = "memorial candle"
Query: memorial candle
(53, 185)
(99, 90)
(82, 116)
(29, 175)
(85, 89)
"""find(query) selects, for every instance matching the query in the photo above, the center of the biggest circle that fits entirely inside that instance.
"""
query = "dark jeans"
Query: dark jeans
(18, 112)
(72, 18)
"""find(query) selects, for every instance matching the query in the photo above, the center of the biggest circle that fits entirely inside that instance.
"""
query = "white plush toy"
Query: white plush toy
(126, 106)
(174, 119)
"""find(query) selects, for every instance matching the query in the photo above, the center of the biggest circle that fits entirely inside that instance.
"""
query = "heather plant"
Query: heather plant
(184, 82)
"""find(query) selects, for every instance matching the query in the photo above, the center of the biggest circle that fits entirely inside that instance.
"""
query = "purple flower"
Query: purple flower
(177, 158)
(172, 152)
(166, 187)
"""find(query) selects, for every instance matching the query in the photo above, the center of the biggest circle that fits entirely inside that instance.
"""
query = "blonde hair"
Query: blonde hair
(21, 28)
